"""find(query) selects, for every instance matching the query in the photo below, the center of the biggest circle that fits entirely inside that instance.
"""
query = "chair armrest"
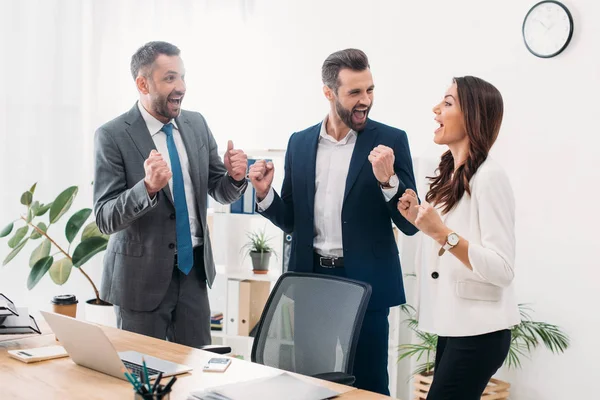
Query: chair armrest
(336, 377)
(213, 348)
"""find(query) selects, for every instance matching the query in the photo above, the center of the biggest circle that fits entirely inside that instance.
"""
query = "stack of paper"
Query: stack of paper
(283, 386)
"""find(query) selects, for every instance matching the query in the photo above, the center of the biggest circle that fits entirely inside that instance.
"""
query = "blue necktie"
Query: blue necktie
(185, 251)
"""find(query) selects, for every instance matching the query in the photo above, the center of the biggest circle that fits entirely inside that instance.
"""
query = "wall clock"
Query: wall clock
(547, 29)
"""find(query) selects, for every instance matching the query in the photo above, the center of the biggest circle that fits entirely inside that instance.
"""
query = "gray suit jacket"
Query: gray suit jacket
(138, 263)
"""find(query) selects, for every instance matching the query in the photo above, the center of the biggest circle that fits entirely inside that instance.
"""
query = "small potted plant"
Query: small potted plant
(525, 337)
(260, 251)
(60, 262)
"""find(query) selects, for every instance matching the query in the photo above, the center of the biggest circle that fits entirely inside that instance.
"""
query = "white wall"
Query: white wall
(253, 70)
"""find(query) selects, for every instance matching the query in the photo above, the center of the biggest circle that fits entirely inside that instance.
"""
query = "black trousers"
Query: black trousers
(464, 365)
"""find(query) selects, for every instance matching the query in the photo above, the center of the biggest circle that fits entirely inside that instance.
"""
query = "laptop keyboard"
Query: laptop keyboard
(138, 370)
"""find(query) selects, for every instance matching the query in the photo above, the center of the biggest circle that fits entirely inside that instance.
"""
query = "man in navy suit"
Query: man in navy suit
(343, 179)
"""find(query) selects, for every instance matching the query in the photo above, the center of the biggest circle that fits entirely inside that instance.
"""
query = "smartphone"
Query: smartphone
(217, 364)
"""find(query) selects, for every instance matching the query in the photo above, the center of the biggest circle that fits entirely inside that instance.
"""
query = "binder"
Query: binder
(247, 203)
(252, 299)
(246, 301)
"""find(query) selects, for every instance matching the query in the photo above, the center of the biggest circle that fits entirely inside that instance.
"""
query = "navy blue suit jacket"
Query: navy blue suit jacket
(370, 251)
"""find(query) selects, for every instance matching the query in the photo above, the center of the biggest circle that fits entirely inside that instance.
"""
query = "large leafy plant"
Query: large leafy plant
(525, 337)
(42, 259)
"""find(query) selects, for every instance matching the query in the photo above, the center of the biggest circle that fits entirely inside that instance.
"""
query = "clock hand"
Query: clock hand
(544, 25)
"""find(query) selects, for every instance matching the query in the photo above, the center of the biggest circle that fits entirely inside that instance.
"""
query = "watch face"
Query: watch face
(452, 239)
(547, 29)
(394, 181)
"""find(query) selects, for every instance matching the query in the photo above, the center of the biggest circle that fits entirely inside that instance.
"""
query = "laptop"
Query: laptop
(88, 346)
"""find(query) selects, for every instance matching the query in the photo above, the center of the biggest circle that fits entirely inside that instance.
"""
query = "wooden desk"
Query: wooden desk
(62, 379)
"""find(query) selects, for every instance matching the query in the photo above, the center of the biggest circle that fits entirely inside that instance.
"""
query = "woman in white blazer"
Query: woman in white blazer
(467, 257)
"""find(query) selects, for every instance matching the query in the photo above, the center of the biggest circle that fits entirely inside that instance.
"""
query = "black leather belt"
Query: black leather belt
(330, 262)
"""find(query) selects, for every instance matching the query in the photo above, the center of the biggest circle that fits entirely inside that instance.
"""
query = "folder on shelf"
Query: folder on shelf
(246, 204)
(245, 303)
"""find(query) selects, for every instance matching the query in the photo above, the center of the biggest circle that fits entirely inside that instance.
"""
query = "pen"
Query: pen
(133, 380)
(156, 382)
(168, 387)
(146, 374)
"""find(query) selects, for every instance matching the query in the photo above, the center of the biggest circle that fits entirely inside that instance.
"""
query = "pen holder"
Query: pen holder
(158, 395)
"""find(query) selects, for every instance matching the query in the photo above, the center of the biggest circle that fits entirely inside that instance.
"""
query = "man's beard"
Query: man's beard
(160, 105)
(346, 116)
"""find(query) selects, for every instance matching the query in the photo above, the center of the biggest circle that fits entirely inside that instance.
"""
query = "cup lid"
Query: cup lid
(64, 299)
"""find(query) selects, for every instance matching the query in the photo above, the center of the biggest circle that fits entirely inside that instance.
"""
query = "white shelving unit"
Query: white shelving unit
(229, 236)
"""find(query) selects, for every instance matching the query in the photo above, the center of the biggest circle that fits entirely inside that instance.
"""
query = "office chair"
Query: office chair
(310, 325)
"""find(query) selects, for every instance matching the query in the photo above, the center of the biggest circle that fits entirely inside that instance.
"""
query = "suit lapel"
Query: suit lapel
(311, 166)
(362, 148)
(138, 131)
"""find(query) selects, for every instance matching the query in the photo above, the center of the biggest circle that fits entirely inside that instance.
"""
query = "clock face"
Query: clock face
(547, 29)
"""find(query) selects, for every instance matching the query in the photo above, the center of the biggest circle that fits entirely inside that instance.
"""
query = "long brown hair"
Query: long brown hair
(482, 107)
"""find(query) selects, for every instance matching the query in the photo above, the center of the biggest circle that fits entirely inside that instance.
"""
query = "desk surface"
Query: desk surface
(63, 379)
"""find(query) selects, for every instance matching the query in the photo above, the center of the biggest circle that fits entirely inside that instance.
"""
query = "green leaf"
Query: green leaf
(43, 209)
(29, 215)
(19, 235)
(60, 271)
(35, 234)
(38, 271)
(26, 198)
(14, 252)
(87, 249)
(32, 190)
(42, 251)
(35, 206)
(91, 230)
(7, 230)
(76, 222)
(62, 203)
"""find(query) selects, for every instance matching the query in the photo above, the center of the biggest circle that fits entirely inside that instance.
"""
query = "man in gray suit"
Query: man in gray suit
(155, 165)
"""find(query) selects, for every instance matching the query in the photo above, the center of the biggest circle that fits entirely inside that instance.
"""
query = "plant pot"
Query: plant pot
(102, 313)
(260, 262)
(495, 389)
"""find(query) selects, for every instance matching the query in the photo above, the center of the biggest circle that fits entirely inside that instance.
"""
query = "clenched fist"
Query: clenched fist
(261, 175)
(158, 173)
(382, 159)
(429, 221)
(236, 162)
(408, 206)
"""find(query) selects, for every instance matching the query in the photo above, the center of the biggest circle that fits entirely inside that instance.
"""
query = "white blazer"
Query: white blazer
(453, 300)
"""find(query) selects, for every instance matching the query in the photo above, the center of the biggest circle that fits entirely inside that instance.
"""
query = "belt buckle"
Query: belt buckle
(327, 258)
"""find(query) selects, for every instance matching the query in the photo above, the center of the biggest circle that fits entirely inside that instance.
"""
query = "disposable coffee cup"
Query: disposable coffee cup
(65, 304)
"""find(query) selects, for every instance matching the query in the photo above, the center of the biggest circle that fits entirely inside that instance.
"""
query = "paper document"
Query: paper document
(283, 386)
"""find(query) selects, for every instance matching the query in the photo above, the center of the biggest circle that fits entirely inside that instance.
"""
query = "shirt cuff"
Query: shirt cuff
(267, 201)
(237, 184)
(389, 193)
(152, 200)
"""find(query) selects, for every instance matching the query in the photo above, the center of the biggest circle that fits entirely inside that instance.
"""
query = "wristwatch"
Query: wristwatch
(451, 240)
(391, 183)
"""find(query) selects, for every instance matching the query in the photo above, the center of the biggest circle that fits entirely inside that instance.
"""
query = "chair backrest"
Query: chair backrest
(311, 324)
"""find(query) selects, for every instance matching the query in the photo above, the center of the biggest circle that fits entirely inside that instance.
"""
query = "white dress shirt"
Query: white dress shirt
(160, 141)
(333, 163)
(458, 301)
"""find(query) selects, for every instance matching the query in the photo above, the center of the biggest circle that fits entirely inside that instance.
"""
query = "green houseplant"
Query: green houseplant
(49, 256)
(260, 251)
(525, 337)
